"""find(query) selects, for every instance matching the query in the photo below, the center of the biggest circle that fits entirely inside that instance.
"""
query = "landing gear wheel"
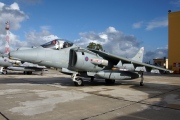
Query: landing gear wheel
(30, 72)
(42, 72)
(79, 82)
(112, 81)
(4, 72)
(141, 84)
(108, 81)
(92, 79)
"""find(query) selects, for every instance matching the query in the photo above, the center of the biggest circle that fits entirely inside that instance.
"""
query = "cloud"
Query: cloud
(176, 3)
(156, 23)
(137, 25)
(34, 38)
(154, 54)
(14, 6)
(13, 14)
(14, 42)
(112, 40)
(117, 43)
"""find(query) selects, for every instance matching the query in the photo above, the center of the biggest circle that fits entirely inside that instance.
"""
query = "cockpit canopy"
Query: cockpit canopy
(58, 44)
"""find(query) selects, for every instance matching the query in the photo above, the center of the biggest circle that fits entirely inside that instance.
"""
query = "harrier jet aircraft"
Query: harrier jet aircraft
(80, 62)
(28, 68)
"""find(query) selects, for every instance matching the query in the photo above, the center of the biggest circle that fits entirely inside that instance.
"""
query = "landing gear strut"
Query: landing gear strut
(77, 80)
(142, 79)
(42, 72)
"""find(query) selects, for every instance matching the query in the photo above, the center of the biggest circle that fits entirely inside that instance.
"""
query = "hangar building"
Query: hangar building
(174, 41)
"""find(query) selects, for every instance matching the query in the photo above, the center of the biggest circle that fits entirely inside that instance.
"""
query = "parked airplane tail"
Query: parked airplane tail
(139, 56)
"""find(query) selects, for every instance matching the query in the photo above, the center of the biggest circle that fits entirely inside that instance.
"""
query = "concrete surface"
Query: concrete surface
(54, 97)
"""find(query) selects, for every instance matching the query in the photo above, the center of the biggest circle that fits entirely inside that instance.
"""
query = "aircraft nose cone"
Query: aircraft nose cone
(24, 55)
(16, 55)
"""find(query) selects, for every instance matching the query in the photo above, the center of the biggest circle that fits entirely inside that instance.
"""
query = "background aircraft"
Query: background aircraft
(7, 64)
(80, 62)
(28, 68)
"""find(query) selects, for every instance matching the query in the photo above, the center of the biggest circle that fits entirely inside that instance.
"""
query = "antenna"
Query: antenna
(7, 38)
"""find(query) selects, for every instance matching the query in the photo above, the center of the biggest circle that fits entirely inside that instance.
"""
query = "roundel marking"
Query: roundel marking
(86, 58)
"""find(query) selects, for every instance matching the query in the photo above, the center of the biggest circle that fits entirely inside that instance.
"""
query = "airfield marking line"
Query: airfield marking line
(107, 111)
(141, 101)
(4, 116)
(133, 103)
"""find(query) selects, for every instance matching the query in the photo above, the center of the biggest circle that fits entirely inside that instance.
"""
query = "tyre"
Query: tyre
(108, 81)
(141, 84)
(79, 82)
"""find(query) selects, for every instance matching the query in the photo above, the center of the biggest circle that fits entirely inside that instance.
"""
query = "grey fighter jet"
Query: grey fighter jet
(28, 68)
(80, 62)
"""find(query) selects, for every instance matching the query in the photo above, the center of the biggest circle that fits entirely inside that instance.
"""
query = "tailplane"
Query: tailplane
(139, 56)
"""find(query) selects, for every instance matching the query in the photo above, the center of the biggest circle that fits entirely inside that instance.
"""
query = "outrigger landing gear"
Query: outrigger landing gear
(42, 72)
(77, 80)
(142, 79)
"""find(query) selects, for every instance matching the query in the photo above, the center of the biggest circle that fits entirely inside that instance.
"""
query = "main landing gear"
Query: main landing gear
(77, 80)
(92, 79)
(142, 79)
(109, 81)
(27, 72)
(4, 71)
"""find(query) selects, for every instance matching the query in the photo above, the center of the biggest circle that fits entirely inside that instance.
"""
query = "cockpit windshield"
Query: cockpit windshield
(58, 44)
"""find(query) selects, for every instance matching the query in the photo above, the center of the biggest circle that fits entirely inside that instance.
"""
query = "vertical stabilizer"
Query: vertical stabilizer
(139, 56)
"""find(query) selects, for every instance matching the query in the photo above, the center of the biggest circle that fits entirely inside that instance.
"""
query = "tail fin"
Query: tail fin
(139, 56)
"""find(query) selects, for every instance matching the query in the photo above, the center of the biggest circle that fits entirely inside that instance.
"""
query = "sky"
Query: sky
(122, 27)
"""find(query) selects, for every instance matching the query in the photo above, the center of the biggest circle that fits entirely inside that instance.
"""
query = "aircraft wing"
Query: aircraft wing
(116, 59)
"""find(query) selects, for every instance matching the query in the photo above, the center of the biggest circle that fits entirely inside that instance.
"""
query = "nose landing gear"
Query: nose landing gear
(77, 80)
